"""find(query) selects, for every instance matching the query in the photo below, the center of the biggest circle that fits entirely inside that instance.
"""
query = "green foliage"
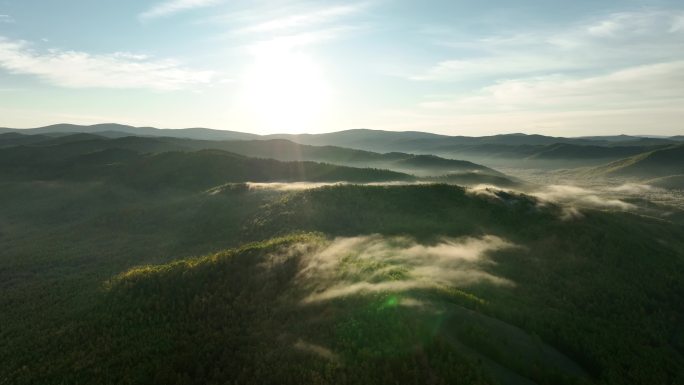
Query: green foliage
(102, 283)
(191, 171)
(661, 162)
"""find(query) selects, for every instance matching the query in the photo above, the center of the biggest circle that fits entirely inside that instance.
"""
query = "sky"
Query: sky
(566, 68)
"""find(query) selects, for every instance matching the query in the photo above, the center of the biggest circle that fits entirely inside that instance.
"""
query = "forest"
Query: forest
(432, 283)
(341, 192)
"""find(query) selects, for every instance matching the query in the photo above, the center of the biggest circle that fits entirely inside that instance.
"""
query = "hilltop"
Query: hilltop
(395, 283)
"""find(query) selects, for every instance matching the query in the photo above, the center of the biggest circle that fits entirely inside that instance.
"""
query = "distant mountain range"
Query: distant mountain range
(164, 161)
(278, 149)
(364, 139)
(517, 150)
(117, 130)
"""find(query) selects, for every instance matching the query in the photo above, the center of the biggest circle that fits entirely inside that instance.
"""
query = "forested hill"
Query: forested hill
(278, 149)
(194, 170)
(663, 162)
(397, 284)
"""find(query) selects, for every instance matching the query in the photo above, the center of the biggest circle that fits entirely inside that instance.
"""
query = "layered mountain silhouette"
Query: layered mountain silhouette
(498, 150)
(22, 151)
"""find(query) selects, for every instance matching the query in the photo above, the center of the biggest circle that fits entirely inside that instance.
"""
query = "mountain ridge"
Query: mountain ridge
(206, 133)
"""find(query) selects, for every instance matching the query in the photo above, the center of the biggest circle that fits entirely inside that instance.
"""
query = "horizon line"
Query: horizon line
(655, 136)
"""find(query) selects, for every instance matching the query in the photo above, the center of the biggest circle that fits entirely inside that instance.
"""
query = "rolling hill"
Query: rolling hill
(109, 161)
(673, 182)
(363, 139)
(658, 163)
(278, 149)
(336, 285)
(507, 150)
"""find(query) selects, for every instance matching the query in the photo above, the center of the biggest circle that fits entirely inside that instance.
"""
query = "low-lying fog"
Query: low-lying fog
(573, 196)
(374, 263)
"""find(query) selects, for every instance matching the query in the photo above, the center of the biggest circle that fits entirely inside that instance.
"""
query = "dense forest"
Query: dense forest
(136, 260)
(341, 192)
(103, 283)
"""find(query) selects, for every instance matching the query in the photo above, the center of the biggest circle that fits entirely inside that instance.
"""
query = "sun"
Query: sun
(285, 91)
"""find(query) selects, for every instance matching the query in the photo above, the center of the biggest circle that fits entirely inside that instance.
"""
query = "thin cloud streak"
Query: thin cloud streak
(285, 43)
(619, 73)
(172, 7)
(616, 41)
(638, 87)
(316, 17)
(120, 70)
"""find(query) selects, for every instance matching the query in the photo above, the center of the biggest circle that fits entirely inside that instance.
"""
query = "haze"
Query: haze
(453, 67)
(208, 192)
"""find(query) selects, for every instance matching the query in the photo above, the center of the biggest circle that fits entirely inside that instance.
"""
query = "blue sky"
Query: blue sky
(458, 67)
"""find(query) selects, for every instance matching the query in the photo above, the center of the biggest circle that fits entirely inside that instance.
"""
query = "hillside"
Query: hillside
(278, 149)
(121, 161)
(288, 150)
(474, 179)
(673, 182)
(552, 156)
(206, 168)
(10, 139)
(396, 284)
(571, 152)
(658, 163)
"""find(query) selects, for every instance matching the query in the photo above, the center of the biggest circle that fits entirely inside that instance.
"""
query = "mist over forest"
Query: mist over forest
(165, 259)
(360, 192)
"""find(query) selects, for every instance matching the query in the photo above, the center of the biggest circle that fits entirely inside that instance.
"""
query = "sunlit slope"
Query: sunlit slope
(272, 305)
(674, 182)
(560, 151)
(546, 156)
(238, 316)
(659, 163)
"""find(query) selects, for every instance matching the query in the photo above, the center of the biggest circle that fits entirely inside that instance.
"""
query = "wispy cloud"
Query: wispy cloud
(373, 263)
(171, 7)
(637, 87)
(570, 199)
(620, 72)
(581, 197)
(6, 19)
(614, 41)
(283, 43)
(76, 69)
(305, 19)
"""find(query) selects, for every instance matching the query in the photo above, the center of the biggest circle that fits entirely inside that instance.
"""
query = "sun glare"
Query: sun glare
(285, 91)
